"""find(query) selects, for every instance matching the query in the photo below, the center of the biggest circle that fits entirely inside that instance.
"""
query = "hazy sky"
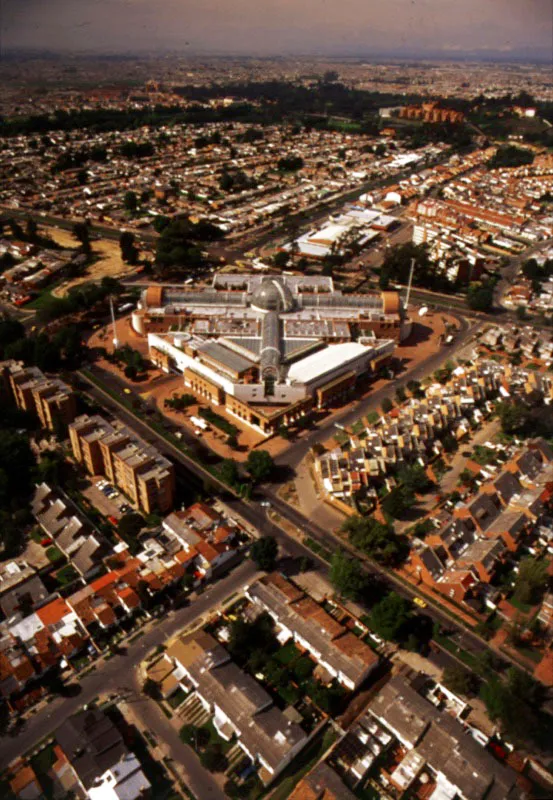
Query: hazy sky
(282, 26)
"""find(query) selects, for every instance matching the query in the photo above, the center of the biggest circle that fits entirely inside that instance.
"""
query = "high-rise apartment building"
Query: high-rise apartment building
(50, 399)
(138, 469)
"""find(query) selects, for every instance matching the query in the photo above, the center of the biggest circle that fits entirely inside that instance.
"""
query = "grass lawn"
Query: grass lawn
(463, 655)
(358, 427)
(37, 535)
(214, 737)
(54, 554)
(524, 608)
(303, 763)
(66, 574)
(288, 653)
(41, 299)
(529, 652)
(373, 417)
(322, 552)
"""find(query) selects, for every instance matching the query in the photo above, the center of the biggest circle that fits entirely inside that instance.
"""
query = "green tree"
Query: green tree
(376, 540)
(480, 297)
(514, 417)
(260, 465)
(228, 470)
(264, 552)
(460, 680)
(130, 525)
(281, 259)
(398, 501)
(213, 758)
(151, 689)
(386, 405)
(389, 617)
(346, 575)
(130, 201)
(194, 736)
(81, 232)
(248, 637)
(129, 253)
(531, 580)
(415, 479)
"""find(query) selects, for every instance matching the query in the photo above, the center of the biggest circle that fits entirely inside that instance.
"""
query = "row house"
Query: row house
(462, 553)
(239, 706)
(412, 432)
(31, 645)
(433, 756)
(81, 543)
(104, 602)
(93, 761)
(207, 540)
(341, 654)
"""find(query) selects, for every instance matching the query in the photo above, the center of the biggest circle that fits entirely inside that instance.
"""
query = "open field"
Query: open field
(109, 262)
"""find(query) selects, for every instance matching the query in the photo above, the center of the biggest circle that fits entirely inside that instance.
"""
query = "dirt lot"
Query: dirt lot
(109, 264)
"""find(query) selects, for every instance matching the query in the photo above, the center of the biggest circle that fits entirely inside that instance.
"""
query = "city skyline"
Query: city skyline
(499, 28)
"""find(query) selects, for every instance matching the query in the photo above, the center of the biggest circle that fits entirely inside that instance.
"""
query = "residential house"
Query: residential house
(101, 765)
(322, 783)
(339, 652)
(61, 520)
(435, 744)
(239, 705)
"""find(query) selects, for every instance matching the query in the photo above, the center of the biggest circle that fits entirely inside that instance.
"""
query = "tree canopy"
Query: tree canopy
(389, 617)
(264, 552)
(510, 156)
(347, 575)
(397, 267)
(260, 465)
(531, 580)
(375, 539)
(480, 297)
(131, 524)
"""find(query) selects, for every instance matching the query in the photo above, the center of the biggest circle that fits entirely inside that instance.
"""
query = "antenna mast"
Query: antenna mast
(115, 340)
(409, 284)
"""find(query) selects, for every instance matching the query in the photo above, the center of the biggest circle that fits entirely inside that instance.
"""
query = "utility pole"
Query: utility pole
(115, 340)
(409, 284)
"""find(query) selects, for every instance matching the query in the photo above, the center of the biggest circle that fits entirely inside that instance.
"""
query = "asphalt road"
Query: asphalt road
(112, 675)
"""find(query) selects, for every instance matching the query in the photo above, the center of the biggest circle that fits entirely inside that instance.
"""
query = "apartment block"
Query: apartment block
(50, 399)
(145, 476)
